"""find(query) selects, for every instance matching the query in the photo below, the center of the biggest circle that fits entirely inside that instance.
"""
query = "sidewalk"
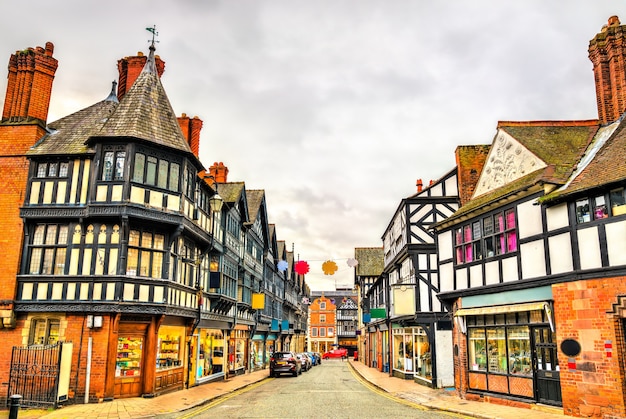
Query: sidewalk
(436, 399)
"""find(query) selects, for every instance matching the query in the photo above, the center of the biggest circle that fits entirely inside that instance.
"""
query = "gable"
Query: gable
(508, 160)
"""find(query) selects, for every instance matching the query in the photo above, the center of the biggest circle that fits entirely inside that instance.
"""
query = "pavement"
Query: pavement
(144, 408)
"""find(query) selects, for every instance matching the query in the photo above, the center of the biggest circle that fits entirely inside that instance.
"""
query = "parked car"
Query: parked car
(315, 359)
(307, 364)
(318, 356)
(285, 363)
(336, 353)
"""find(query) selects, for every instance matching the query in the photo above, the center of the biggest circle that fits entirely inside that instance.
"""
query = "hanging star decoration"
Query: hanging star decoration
(282, 265)
(301, 267)
(352, 262)
(329, 267)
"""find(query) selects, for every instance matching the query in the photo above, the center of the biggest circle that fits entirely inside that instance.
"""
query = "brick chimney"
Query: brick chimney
(219, 172)
(24, 117)
(420, 185)
(607, 52)
(191, 128)
(29, 84)
(129, 69)
(470, 160)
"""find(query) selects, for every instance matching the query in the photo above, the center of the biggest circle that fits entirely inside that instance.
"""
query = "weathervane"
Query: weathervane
(154, 33)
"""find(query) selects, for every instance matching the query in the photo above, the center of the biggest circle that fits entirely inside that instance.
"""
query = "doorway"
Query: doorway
(546, 366)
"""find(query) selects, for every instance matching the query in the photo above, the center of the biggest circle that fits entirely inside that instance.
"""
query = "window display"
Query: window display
(477, 353)
(412, 352)
(519, 351)
(129, 354)
(169, 349)
(211, 352)
(236, 350)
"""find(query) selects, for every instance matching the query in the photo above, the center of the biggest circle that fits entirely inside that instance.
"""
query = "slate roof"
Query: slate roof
(560, 144)
(144, 113)
(230, 191)
(69, 134)
(371, 261)
(607, 166)
(254, 198)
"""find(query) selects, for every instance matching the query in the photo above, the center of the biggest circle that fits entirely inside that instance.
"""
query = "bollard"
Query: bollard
(14, 406)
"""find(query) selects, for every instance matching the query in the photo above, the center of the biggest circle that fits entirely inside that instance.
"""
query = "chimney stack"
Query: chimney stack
(219, 172)
(420, 185)
(129, 69)
(470, 160)
(29, 84)
(607, 52)
(191, 128)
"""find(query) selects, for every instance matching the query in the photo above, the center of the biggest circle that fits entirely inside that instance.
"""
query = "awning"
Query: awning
(511, 308)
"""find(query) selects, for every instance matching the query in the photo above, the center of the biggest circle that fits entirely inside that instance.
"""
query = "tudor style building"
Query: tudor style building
(112, 243)
(533, 265)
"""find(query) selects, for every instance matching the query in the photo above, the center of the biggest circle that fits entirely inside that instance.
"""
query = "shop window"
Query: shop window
(129, 354)
(170, 349)
(477, 350)
(496, 350)
(44, 331)
(519, 351)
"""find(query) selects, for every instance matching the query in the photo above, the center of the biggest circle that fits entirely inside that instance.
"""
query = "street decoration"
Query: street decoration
(301, 267)
(329, 267)
(352, 262)
(282, 265)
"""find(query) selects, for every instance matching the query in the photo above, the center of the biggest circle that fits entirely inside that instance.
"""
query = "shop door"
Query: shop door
(546, 366)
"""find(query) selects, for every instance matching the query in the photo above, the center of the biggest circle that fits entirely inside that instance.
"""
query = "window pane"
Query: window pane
(467, 234)
(477, 352)
(107, 170)
(582, 211)
(519, 351)
(468, 253)
(489, 247)
(488, 225)
(459, 254)
(174, 175)
(133, 256)
(499, 218)
(35, 261)
(39, 234)
(510, 219)
(599, 208)
(146, 239)
(119, 165)
(145, 264)
(151, 171)
(42, 169)
(162, 178)
(59, 263)
(458, 236)
(511, 241)
(476, 230)
(53, 332)
(39, 332)
(496, 346)
(159, 242)
(63, 169)
(51, 234)
(52, 170)
(48, 260)
(133, 238)
(62, 235)
(618, 202)
(140, 163)
(157, 264)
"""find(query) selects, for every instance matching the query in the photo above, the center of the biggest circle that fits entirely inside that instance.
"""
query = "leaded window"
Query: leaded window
(48, 250)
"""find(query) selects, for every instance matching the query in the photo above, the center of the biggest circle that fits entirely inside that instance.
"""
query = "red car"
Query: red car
(336, 353)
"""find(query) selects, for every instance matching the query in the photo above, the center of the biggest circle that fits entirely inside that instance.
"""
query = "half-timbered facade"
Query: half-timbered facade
(533, 267)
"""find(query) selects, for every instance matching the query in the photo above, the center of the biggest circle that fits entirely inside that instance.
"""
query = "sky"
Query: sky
(334, 107)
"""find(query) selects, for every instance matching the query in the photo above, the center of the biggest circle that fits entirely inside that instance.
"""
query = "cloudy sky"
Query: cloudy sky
(335, 108)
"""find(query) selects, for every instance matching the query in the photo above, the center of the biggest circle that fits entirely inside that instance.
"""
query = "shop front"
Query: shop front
(259, 359)
(512, 350)
(170, 358)
(237, 350)
(210, 355)
(411, 353)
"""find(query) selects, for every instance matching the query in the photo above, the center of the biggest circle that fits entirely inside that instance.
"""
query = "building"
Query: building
(123, 255)
(532, 266)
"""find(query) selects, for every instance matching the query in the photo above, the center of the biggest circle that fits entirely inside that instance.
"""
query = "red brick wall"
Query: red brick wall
(469, 162)
(14, 141)
(582, 311)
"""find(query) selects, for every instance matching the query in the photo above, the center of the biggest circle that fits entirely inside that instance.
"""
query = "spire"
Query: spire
(112, 96)
(150, 66)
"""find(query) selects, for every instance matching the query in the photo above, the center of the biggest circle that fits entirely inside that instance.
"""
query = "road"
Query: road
(330, 390)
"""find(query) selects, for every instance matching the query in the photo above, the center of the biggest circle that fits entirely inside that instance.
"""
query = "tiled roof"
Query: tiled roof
(371, 261)
(145, 113)
(230, 191)
(254, 198)
(560, 144)
(607, 166)
(69, 135)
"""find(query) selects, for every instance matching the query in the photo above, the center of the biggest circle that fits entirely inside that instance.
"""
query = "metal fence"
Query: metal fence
(35, 374)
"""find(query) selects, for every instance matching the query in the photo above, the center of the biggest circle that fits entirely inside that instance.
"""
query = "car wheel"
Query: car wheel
(295, 373)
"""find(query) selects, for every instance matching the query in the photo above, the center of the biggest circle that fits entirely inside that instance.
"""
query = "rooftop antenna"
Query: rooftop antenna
(154, 33)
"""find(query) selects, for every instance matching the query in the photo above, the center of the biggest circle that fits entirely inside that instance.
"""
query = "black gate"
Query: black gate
(35, 374)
